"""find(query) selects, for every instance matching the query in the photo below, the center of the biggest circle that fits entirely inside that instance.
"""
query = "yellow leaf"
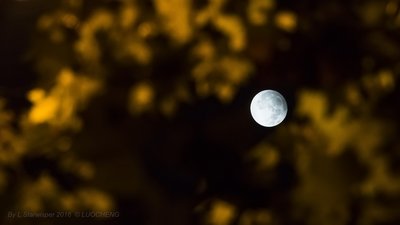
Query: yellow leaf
(286, 20)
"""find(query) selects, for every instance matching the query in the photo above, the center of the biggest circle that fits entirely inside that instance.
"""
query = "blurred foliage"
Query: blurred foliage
(142, 107)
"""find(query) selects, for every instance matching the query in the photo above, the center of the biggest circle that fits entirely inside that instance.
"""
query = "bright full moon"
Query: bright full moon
(268, 108)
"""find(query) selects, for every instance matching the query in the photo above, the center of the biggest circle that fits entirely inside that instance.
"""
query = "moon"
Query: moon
(268, 108)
